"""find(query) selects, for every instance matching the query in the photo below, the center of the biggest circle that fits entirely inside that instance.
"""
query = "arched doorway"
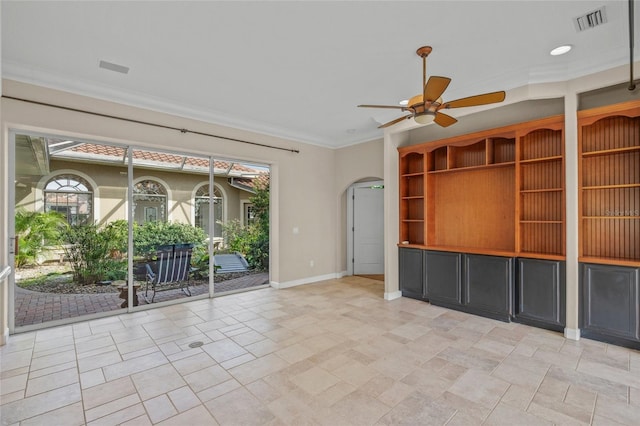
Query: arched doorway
(365, 229)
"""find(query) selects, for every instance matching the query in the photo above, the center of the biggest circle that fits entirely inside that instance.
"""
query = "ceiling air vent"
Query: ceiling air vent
(113, 67)
(590, 20)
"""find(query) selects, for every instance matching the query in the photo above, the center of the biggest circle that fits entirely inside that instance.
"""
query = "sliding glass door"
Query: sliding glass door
(102, 228)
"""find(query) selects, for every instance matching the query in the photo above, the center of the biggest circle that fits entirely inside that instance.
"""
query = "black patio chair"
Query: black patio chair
(170, 270)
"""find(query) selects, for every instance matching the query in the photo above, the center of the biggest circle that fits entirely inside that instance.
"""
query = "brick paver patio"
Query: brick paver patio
(33, 307)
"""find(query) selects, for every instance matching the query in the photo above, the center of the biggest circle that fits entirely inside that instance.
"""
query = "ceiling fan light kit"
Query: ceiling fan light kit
(425, 107)
(425, 117)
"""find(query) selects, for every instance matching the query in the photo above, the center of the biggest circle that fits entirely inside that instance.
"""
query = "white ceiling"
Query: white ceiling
(298, 69)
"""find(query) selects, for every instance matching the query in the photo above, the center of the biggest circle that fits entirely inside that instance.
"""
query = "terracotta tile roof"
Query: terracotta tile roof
(171, 160)
(108, 150)
(159, 157)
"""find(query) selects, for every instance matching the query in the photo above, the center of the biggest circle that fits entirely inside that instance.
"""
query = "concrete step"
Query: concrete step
(226, 263)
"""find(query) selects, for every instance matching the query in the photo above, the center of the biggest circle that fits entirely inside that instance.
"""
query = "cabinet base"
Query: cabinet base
(412, 295)
(539, 324)
(618, 341)
(469, 310)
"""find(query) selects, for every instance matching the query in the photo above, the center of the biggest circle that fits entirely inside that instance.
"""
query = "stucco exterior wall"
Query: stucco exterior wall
(110, 192)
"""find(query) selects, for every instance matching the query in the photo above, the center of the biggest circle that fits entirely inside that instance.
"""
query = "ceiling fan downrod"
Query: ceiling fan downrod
(423, 52)
(632, 84)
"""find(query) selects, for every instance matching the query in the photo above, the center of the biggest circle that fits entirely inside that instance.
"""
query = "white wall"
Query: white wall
(4, 237)
(353, 163)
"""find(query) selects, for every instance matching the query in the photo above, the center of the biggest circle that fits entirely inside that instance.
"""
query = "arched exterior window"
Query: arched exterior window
(72, 196)
(149, 202)
(201, 203)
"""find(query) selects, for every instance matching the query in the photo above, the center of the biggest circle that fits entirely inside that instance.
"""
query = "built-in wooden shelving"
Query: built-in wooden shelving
(609, 146)
(412, 197)
(496, 192)
(541, 189)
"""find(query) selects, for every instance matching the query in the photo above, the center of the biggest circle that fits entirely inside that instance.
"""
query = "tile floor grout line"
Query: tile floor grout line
(593, 410)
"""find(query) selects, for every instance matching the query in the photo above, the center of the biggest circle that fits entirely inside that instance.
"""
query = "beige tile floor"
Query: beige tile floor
(331, 353)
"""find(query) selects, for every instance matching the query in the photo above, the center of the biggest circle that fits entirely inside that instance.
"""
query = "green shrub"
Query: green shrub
(236, 236)
(252, 240)
(35, 231)
(147, 237)
(117, 235)
(258, 254)
(88, 250)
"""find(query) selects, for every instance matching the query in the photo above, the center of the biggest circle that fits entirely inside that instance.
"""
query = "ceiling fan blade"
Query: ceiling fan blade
(444, 120)
(486, 98)
(382, 106)
(435, 87)
(397, 120)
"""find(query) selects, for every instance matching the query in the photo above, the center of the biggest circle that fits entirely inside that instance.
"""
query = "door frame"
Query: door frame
(350, 224)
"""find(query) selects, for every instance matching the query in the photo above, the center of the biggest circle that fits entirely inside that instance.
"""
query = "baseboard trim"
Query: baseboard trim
(392, 295)
(572, 333)
(5, 337)
(303, 281)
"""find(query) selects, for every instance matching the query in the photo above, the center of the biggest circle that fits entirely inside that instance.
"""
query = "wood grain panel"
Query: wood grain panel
(469, 156)
(541, 143)
(412, 186)
(618, 168)
(440, 158)
(543, 206)
(412, 163)
(504, 150)
(612, 238)
(611, 133)
(541, 175)
(541, 238)
(475, 208)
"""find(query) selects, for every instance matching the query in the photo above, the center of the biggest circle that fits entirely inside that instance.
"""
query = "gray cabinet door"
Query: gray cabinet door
(540, 291)
(443, 277)
(488, 284)
(411, 272)
(610, 300)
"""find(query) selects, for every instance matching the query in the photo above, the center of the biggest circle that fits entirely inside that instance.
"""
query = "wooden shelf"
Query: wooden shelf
(535, 191)
(611, 217)
(471, 250)
(609, 261)
(418, 174)
(629, 185)
(543, 221)
(613, 151)
(542, 256)
(542, 159)
(467, 168)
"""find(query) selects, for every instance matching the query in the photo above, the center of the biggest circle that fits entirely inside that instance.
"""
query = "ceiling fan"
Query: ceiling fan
(425, 108)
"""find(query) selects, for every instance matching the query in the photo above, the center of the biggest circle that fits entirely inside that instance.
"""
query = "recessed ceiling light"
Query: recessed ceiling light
(560, 50)
(404, 102)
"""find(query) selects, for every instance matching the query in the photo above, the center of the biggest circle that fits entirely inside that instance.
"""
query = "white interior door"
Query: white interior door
(368, 228)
